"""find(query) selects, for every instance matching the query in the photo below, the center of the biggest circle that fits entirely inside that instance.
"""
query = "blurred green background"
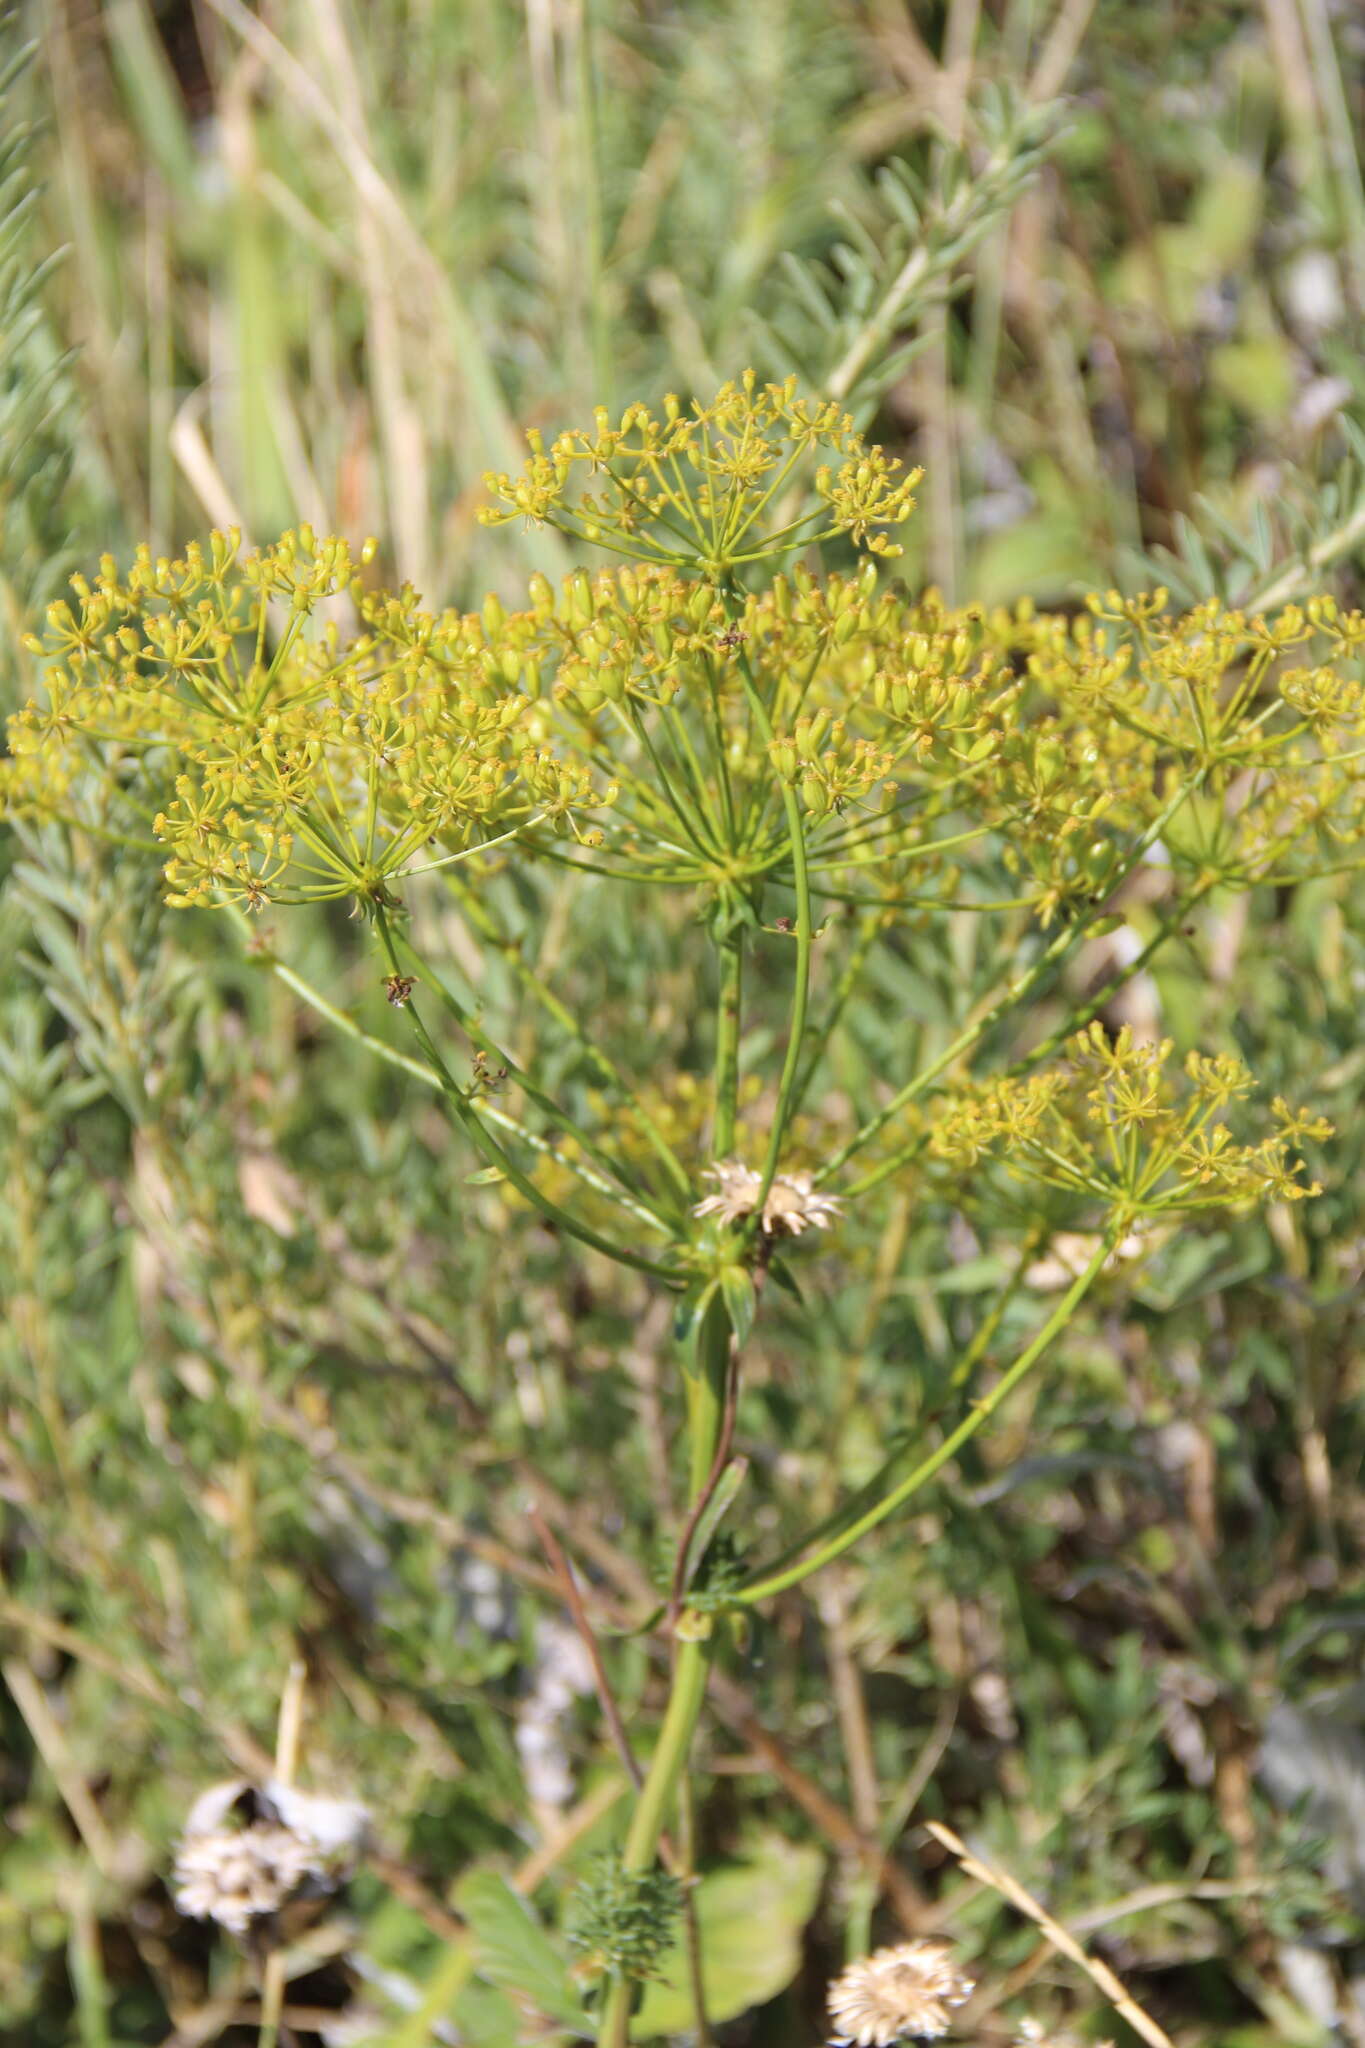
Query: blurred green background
(273, 1367)
(328, 263)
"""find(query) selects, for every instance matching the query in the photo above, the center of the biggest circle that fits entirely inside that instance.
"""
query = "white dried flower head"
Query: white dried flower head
(794, 1203)
(336, 1828)
(897, 1994)
(737, 1192)
(212, 1808)
(237, 1875)
(248, 1850)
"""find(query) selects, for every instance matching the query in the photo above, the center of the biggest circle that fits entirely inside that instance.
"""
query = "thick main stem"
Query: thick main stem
(691, 1658)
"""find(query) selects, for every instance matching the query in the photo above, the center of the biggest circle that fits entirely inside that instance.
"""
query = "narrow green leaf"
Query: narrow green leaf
(727, 1487)
(737, 1292)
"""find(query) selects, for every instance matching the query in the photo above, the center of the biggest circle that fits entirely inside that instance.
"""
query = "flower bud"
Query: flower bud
(810, 731)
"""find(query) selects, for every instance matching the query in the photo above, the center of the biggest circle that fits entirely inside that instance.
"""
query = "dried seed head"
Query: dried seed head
(897, 1994)
(238, 1875)
(337, 1828)
(248, 1850)
(793, 1205)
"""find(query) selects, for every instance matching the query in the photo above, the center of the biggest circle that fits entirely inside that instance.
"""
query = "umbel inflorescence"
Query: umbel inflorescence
(704, 485)
(710, 717)
(279, 730)
(1122, 1124)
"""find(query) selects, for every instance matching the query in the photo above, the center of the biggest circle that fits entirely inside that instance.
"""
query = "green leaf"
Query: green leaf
(731, 913)
(727, 1486)
(514, 1952)
(488, 2019)
(782, 1276)
(688, 1319)
(751, 1917)
(737, 1292)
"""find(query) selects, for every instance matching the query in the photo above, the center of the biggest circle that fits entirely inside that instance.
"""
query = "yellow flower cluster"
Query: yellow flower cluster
(282, 731)
(829, 766)
(693, 487)
(1119, 1123)
(278, 764)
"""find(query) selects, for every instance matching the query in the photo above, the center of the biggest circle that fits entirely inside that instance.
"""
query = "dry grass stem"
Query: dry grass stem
(1066, 1944)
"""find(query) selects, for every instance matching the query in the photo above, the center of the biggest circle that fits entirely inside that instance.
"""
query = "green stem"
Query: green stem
(390, 1054)
(728, 1006)
(338, 1018)
(718, 744)
(848, 981)
(1075, 1020)
(607, 1072)
(687, 1871)
(694, 828)
(1064, 943)
(103, 832)
(979, 1414)
(691, 1658)
(1093, 1004)
(862, 1903)
(686, 754)
(706, 1391)
(786, 1087)
(675, 1739)
(965, 1039)
(474, 1031)
(486, 1144)
(871, 1491)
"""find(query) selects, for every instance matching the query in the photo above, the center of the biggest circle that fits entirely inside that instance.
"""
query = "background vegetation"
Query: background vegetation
(281, 1382)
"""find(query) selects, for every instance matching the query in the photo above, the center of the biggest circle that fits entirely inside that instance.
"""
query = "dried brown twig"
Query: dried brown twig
(1100, 1974)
